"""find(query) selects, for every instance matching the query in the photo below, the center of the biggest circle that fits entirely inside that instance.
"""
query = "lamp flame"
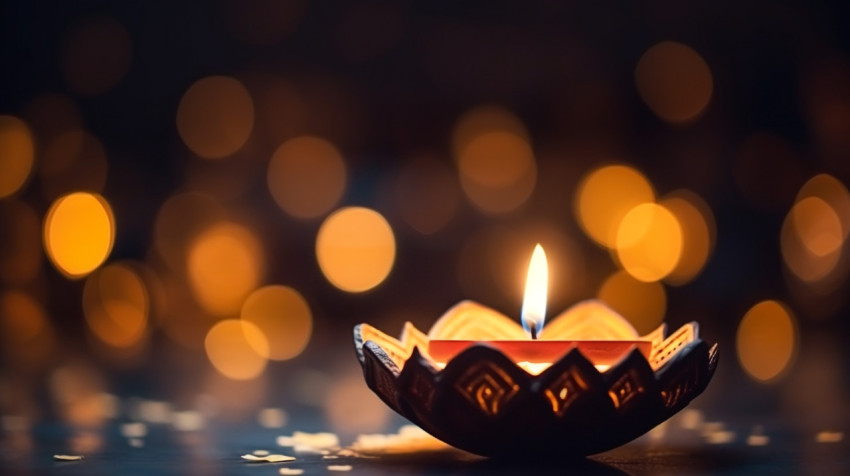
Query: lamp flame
(536, 288)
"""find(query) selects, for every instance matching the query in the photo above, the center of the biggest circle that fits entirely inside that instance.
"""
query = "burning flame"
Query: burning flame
(536, 287)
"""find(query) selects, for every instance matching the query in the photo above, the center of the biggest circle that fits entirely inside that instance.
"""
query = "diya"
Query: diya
(583, 384)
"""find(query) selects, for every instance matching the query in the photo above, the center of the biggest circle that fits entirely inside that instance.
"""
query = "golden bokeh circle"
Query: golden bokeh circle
(642, 303)
(605, 195)
(79, 231)
(17, 153)
(649, 242)
(230, 345)
(674, 81)
(766, 340)
(284, 317)
(355, 248)
(215, 117)
(306, 176)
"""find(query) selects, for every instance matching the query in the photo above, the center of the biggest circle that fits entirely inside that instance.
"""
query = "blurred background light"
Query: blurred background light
(766, 341)
(605, 196)
(79, 231)
(674, 81)
(20, 243)
(649, 242)
(215, 117)
(27, 335)
(17, 153)
(306, 176)
(355, 248)
(230, 348)
(698, 234)
(225, 263)
(116, 304)
(643, 304)
(283, 316)
(496, 165)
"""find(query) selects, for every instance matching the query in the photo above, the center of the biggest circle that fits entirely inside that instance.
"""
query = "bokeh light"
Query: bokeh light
(811, 239)
(698, 234)
(833, 192)
(351, 408)
(96, 56)
(225, 263)
(306, 176)
(20, 243)
(355, 248)
(215, 117)
(179, 221)
(79, 231)
(17, 152)
(73, 160)
(116, 304)
(649, 242)
(25, 331)
(496, 165)
(643, 304)
(766, 341)
(230, 348)
(77, 389)
(674, 81)
(817, 225)
(427, 194)
(605, 196)
(283, 316)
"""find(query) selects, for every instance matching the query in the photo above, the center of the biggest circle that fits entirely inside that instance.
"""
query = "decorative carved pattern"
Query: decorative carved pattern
(488, 387)
(625, 389)
(564, 390)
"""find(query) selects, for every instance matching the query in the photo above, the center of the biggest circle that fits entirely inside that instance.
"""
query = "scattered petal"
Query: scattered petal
(339, 467)
(273, 458)
(292, 471)
(67, 457)
(330, 457)
(409, 439)
(314, 440)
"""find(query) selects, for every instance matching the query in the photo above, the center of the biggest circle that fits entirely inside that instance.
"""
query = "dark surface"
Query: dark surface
(217, 449)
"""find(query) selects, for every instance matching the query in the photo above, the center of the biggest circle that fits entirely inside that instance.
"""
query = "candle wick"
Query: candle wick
(533, 328)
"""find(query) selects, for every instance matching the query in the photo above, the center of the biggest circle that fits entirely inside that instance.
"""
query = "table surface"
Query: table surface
(684, 445)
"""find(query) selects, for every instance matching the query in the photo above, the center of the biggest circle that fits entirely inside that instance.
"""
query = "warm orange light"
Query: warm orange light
(536, 290)
(116, 305)
(20, 243)
(230, 347)
(643, 304)
(351, 408)
(284, 317)
(355, 248)
(497, 168)
(674, 81)
(78, 233)
(698, 231)
(649, 242)
(306, 176)
(766, 340)
(16, 154)
(605, 196)
(215, 117)
(225, 263)
(817, 225)
(498, 171)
